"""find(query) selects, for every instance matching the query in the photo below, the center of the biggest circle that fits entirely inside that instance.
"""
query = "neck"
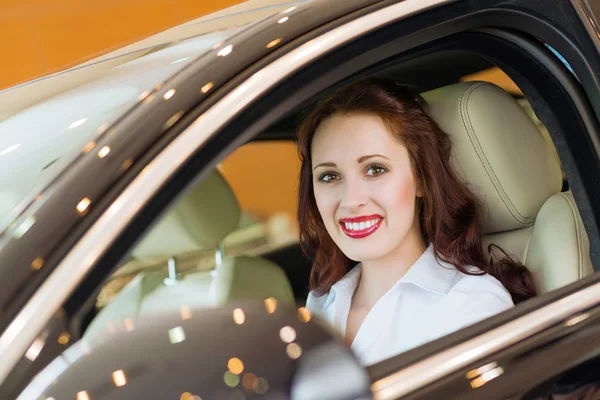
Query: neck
(380, 275)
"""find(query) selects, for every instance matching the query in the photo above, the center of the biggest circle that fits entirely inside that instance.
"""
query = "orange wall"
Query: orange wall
(264, 177)
(43, 36)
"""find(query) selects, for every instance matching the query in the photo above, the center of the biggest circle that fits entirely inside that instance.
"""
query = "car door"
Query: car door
(252, 101)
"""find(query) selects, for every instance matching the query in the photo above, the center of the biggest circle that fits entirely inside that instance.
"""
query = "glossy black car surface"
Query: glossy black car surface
(60, 242)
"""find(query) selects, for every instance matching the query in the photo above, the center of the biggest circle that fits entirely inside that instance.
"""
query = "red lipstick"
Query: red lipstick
(361, 227)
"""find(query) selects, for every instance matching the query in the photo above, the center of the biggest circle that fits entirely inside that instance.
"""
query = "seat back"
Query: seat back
(505, 159)
(199, 221)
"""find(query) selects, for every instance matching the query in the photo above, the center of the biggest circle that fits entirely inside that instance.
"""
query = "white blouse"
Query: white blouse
(431, 300)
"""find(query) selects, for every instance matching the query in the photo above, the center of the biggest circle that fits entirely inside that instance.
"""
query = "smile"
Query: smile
(360, 227)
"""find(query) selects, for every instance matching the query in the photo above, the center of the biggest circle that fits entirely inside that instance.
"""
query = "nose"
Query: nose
(355, 195)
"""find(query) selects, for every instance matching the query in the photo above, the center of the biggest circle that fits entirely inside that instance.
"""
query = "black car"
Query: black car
(149, 247)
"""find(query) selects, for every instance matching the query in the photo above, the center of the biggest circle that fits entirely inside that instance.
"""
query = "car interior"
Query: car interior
(212, 247)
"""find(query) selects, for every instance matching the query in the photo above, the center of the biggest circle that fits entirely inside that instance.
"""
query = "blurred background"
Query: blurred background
(41, 37)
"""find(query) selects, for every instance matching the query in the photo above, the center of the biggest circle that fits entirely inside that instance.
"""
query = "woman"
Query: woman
(394, 233)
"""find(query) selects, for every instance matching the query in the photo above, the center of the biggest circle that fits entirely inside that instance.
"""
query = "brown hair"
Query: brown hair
(449, 212)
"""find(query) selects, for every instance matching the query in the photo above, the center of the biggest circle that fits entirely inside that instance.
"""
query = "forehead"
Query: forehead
(352, 135)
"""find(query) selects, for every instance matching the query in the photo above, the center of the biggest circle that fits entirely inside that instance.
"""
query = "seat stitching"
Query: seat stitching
(486, 164)
(578, 234)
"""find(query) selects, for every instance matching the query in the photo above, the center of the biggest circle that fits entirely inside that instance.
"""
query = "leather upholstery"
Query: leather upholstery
(507, 161)
(200, 221)
(499, 150)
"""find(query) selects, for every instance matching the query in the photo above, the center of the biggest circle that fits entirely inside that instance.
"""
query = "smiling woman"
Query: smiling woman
(377, 188)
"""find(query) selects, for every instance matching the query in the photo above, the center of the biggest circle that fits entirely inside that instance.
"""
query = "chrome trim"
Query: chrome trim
(445, 362)
(23, 330)
(588, 22)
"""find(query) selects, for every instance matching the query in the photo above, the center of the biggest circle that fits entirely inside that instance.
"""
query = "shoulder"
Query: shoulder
(480, 294)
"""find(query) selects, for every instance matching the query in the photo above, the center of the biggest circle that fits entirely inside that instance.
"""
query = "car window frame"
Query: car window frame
(40, 308)
(588, 282)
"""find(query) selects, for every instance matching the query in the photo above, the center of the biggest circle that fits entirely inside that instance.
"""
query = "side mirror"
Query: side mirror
(241, 351)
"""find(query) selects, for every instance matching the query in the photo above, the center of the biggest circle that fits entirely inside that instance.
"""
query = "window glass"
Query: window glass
(45, 123)
(263, 178)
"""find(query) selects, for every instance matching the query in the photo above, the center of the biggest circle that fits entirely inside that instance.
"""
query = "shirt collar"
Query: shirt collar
(430, 273)
(345, 286)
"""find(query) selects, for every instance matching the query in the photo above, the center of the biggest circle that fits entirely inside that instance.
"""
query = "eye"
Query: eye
(328, 177)
(376, 170)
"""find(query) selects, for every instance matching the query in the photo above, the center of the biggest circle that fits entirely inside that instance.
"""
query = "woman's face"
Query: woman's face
(364, 187)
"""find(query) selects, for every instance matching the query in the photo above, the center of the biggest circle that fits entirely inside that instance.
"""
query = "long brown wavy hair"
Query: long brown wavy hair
(449, 212)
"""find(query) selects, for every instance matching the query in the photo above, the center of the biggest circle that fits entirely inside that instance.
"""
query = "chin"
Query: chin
(363, 252)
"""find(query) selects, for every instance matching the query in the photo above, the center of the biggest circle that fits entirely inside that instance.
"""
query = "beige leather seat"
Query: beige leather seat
(504, 157)
(199, 221)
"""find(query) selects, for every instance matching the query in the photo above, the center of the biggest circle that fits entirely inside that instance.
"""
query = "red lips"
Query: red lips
(360, 227)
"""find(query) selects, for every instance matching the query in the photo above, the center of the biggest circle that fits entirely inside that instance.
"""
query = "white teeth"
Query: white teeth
(356, 226)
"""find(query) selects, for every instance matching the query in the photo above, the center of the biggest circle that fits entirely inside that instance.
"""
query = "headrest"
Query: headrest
(499, 151)
(199, 221)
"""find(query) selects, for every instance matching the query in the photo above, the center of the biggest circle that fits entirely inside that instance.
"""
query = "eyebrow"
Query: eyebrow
(359, 160)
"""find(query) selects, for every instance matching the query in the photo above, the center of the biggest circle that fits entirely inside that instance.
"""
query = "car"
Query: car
(149, 247)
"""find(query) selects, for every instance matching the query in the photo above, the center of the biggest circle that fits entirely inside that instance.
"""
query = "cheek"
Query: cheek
(325, 203)
(402, 196)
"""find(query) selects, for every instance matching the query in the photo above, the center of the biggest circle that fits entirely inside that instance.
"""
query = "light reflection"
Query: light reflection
(486, 377)
(78, 123)
(143, 95)
(172, 120)
(235, 366)
(282, 20)
(126, 164)
(262, 386)
(577, 319)
(129, 324)
(181, 60)
(169, 94)
(274, 43)
(148, 99)
(104, 152)
(64, 338)
(37, 263)
(206, 87)
(176, 335)
(478, 371)
(88, 147)
(217, 45)
(271, 305)
(294, 351)
(119, 378)
(225, 51)
(250, 381)
(83, 396)
(304, 314)
(36, 347)
(186, 312)
(101, 129)
(289, 10)
(83, 205)
(287, 334)
(24, 227)
(231, 380)
(238, 316)
(189, 396)
(9, 149)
